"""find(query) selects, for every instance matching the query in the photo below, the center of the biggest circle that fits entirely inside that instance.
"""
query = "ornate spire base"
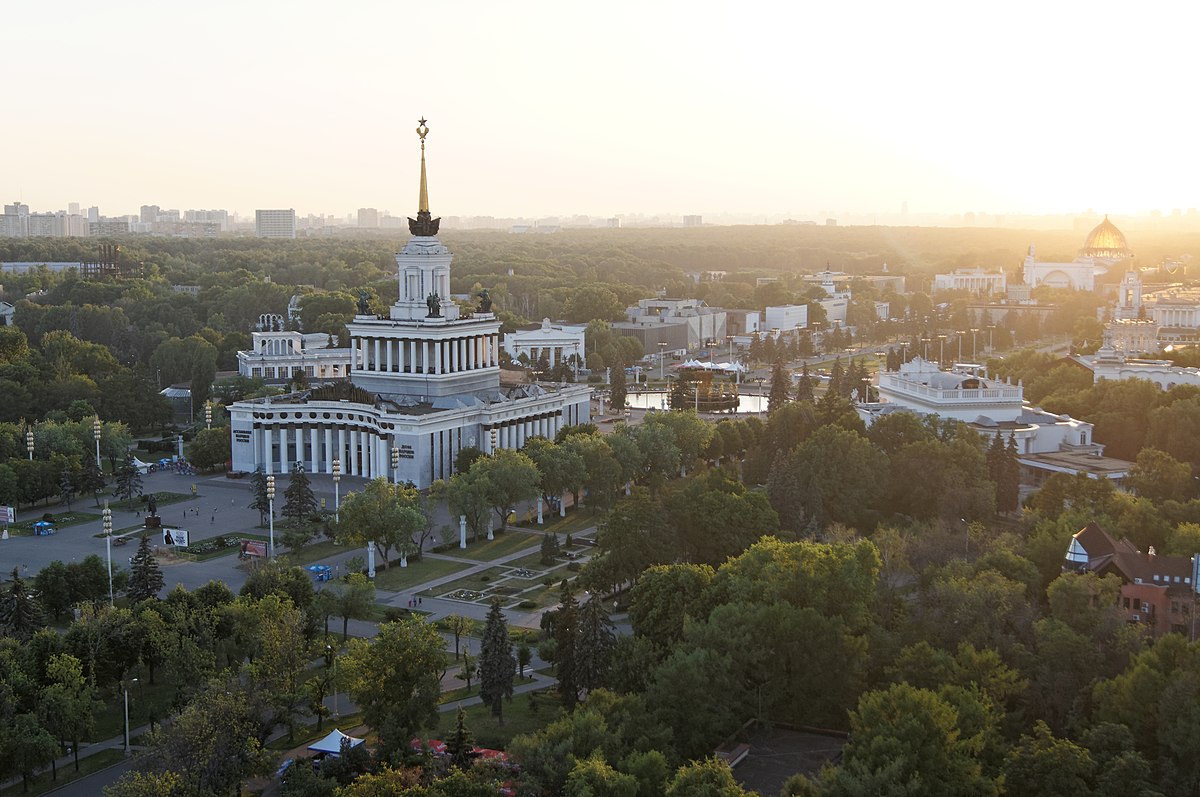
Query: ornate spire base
(424, 224)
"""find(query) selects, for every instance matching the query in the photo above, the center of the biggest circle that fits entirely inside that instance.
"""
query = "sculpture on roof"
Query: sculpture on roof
(485, 301)
(434, 303)
(364, 300)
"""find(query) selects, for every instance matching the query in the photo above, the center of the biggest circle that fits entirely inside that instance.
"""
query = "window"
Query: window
(1126, 603)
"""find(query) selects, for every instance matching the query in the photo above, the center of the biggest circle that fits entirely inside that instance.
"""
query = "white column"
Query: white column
(314, 449)
(390, 345)
(328, 452)
(368, 462)
(472, 343)
(283, 450)
(265, 437)
(400, 355)
(341, 451)
(299, 446)
(352, 454)
(378, 351)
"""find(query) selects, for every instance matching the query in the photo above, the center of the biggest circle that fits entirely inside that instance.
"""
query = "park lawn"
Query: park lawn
(450, 695)
(504, 544)
(43, 783)
(61, 520)
(534, 562)
(315, 552)
(474, 582)
(577, 520)
(541, 598)
(518, 719)
(398, 579)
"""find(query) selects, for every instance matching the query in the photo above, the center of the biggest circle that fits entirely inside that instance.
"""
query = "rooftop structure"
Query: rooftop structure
(1156, 591)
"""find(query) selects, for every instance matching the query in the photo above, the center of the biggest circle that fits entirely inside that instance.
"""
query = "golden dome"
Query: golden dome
(1105, 241)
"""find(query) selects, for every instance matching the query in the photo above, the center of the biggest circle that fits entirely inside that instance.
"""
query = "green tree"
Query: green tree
(28, 746)
(258, 492)
(385, 515)
(496, 663)
(781, 385)
(594, 641)
(68, 702)
(145, 576)
(804, 386)
(299, 501)
(460, 626)
(617, 390)
(594, 777)
(395, 680)
(708, 778)
(664, 597)
(460, 743)
(566, 630)
(91, 480)
(905, 739)
(20, 614)
(1043, 764)
(1160, 477)
(281, 659)
(469, 494)
(53, 589)
(211, 448)
(591, 302)
(129, 481)
(354, 600)
(833, 476)
(511, 477)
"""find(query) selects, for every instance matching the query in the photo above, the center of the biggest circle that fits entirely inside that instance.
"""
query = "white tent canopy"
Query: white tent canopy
(727, 367)
(333, 743)
(142, 467)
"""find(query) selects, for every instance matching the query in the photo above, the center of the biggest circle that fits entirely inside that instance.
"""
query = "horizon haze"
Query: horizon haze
(623, 109)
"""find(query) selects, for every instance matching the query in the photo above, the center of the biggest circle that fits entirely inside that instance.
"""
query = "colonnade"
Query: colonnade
(362, 452)
(423, 355)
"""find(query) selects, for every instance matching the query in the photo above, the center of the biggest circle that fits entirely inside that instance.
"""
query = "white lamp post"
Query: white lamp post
(131, 681)
(107, 515)
(337, 497)
(29, 443)
(208, 415)
(662, 350)
(395, 465)
(271, 508)
(96, 435)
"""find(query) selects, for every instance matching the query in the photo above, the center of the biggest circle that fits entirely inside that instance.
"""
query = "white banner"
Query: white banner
(177, 537)
(10, 516)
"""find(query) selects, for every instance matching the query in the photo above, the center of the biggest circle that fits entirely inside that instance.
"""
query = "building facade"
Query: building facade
(281, 356)
(275, 223)
(978, 281)
(560, 342)
(424, 384)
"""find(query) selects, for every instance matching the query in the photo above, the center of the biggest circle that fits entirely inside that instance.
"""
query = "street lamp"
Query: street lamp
(662, 350)
(337, 497)
(495, 436)
(941, 351)
(271, 508)
(29, 443)
(331, 661)
(974, 332)
(96, 435)
(107, 515)
(208, 415)
(126, 686)
(395, 465)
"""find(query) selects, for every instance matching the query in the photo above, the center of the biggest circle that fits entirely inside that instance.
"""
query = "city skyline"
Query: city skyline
(555, 112)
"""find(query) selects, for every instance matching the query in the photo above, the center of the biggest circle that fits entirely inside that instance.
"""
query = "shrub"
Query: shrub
(574, 567)
(526, 605)
(485, 578)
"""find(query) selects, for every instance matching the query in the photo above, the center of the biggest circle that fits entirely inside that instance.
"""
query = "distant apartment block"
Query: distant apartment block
(368, 217)
(108, 227)
(275, 223)
(693, 221)
(217, 217)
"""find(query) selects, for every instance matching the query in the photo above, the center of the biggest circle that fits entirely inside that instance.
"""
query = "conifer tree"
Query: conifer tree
(258, 489)
(804, 386)
(299, 501)
(566, 629)
(21, 615)
(1008, 496)
(618, 390)
(129, 481)
(593, 645)
(497, 665)
(66, 488)
(836, 377)
(145, 576)
(91, 480)
(780, 387)
(549, 548)
(460, 743)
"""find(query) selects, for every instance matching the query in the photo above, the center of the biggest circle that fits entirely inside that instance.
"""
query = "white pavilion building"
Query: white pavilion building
(424, 383)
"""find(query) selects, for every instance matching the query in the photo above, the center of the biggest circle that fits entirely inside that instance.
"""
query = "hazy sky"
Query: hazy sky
(602, 108)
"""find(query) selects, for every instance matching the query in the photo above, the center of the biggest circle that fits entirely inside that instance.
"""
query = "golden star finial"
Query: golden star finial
(422, 129)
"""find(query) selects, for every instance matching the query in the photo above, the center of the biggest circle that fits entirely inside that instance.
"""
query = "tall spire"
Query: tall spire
(423, 201)
(424, 224)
